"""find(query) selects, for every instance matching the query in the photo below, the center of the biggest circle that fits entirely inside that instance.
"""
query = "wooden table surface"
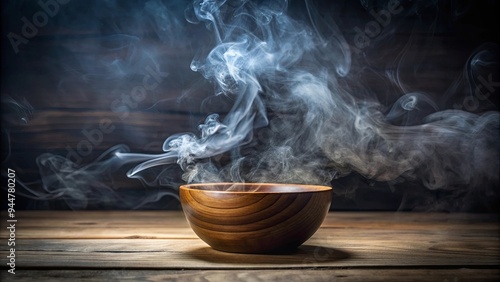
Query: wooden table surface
(159, 245)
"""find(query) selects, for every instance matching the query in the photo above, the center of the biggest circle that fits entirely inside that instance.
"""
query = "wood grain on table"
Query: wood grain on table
(159, 245)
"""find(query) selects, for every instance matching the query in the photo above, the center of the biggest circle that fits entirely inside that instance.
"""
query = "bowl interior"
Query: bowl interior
(256, 187)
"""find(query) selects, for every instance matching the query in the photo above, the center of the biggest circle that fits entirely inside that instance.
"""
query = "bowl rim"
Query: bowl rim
(310, 188)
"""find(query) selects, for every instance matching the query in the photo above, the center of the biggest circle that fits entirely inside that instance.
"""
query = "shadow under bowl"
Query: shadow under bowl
(255, 217)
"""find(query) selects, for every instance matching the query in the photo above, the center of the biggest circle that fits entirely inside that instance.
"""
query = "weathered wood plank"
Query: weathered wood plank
(319, 251)
(170, 232)
(172, 224)
(163, 240)
(67, 219)
(54, 129)
(176, 217)
(347, 275)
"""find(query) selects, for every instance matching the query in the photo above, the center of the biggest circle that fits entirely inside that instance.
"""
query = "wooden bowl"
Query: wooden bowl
(255, 217)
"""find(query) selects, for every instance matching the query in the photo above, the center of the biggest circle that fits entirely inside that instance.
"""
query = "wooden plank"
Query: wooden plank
(104, 225)
(163, 239)
(34, 219)
(168, 231)
(348, 219)
(108, 233)
(54, 129)
(340, 275)
(396, 250)
(172, 224)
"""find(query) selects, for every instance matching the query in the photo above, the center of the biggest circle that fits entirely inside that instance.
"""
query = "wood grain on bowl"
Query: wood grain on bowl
(255, 218)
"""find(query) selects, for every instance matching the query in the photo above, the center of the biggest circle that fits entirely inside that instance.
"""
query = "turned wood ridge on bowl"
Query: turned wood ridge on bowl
(255, 217)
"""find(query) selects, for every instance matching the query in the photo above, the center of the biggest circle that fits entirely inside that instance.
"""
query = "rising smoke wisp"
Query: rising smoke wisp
(299, 113)
(268, 61)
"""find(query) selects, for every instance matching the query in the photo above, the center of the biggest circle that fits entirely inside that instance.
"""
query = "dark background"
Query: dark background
(67, 77)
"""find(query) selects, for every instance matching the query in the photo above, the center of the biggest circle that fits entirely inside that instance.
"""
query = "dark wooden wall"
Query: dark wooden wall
(55, 87)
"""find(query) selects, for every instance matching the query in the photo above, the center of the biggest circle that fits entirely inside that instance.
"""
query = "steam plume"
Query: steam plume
(300, 112)
(268, 61)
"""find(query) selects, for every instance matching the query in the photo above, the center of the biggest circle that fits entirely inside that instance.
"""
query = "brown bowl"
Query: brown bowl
(255, 217)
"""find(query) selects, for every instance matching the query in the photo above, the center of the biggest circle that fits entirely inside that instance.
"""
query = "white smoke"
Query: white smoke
(299, 111)
(267, 61)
